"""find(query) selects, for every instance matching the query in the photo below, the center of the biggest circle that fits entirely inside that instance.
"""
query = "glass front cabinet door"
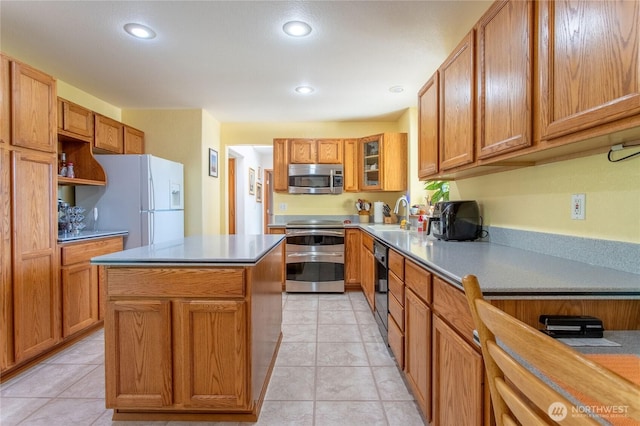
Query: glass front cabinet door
(371, 164)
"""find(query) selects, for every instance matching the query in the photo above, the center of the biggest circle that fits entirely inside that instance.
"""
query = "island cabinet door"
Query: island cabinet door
(138, 354)
(214, 354)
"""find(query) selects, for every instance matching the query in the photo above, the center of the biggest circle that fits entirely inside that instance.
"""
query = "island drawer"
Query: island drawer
(176, 282)
(83, 251)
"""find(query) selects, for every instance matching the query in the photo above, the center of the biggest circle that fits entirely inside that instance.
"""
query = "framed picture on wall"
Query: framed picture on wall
(213, 162)
(252, 181)
(258, 192)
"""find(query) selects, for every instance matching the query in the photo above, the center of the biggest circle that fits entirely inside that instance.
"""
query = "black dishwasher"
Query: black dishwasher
(380, 252)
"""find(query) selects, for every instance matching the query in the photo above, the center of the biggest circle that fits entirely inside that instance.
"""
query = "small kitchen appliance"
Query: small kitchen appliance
(456, 220)
(315, 178)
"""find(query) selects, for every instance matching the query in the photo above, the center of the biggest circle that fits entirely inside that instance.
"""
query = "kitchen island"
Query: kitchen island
(192, 327)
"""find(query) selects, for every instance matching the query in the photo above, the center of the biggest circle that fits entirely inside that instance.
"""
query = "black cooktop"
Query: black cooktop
(313, 223)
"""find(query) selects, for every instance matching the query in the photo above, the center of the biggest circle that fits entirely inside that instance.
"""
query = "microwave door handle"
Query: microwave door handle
(331, 181)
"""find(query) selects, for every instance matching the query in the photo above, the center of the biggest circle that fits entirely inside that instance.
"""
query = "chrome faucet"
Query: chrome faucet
(404, 200)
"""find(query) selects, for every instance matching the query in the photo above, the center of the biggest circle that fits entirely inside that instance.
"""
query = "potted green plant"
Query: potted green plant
(440, 188)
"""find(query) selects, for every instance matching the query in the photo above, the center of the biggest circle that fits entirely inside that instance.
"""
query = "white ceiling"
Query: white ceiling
(232, 59)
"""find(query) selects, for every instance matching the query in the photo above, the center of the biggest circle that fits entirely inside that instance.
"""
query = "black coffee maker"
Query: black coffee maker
(456, 221)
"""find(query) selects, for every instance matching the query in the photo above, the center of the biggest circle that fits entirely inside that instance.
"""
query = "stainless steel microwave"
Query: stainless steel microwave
(315, 178)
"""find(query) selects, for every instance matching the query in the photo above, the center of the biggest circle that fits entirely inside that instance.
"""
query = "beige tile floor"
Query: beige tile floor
(332, 369)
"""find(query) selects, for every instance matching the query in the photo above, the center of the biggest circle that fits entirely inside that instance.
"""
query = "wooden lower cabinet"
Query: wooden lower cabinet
(83, 296)
(457, 378)
(138, 333)
(417, 354)
(210, 364)
(36, 299)
(396, 306)
(192, 343)
(367, 269)
(352, 247)
(79, 298)
(213, 340)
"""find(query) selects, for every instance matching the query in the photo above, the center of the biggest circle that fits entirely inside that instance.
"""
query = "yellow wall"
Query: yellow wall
(80, 97)
(534, 198)
(539, 198)
(185, 136)
(264, 133)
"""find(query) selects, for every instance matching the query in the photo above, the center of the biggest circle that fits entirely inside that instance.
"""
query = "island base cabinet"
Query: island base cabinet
(207, 339)
(457, 379)
(138, 361)
(213, 354)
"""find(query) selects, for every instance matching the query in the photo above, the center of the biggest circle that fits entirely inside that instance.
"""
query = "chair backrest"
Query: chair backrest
(534, 379)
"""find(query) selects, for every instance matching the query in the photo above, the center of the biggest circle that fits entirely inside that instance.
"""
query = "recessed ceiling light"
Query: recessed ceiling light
(304, 90)
(396, 89)
(140, 31)
(296, 28)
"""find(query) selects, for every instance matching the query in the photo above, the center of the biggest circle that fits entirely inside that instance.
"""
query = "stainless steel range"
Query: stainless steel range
(315, 256)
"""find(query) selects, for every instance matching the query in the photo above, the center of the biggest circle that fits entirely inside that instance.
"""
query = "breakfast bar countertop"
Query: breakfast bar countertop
(218, 250)
(508, 272)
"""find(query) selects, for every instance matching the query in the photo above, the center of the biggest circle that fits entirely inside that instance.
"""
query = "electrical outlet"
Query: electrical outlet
(283, 207)
(578, 207)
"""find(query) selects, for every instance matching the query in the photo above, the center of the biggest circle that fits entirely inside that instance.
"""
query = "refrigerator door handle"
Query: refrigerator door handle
(152, 192)
(152, 227)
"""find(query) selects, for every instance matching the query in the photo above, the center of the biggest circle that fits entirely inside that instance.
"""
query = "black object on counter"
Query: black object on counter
(572, 326)
(456, 220)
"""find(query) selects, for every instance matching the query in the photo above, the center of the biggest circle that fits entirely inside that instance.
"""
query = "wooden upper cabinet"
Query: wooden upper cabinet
(330, 151)
(504, 80)
(33, 108)
(351, 166)
(383, 162)
(75, 121)
(457, 88)
(133, 141)
(109, 135)
(280, 165)
(315, 151)
(5, 100)
(589, 64)
(428, 123)
(302, 151)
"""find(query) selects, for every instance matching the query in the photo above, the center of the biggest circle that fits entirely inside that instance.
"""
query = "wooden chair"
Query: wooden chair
(519, 396)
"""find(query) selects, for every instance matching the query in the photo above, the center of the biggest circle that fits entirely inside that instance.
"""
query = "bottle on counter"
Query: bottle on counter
(63, 165)
(70, 172)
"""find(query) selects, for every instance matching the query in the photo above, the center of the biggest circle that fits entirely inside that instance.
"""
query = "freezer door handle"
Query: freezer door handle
(152, 227)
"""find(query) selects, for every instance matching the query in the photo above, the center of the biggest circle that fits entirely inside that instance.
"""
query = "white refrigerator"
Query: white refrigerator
(144, 195)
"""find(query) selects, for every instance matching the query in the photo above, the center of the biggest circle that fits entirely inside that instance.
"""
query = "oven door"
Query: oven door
(315, 260)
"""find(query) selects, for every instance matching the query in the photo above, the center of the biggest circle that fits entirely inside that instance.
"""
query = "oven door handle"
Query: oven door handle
(303, 232)
(315, 257)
